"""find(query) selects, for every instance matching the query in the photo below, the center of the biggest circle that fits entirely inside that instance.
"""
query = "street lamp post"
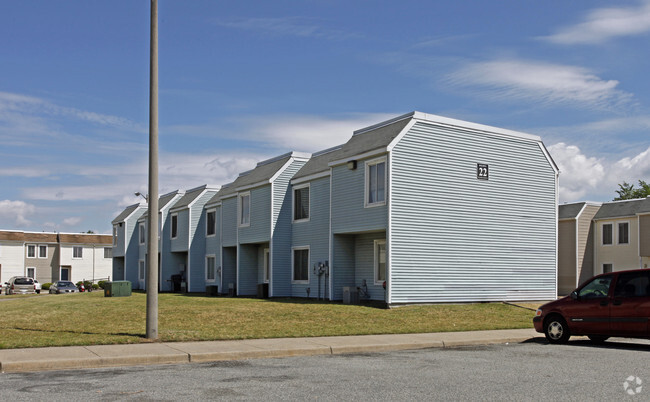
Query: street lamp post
(152, 219)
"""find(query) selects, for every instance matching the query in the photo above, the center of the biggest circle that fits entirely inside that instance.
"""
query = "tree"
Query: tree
(627, 191)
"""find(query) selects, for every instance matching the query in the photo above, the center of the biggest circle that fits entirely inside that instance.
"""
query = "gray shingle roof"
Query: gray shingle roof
(163, 201)
(189, 197)
(617, 209)
(373, 138)
(125, 214)
(569, 211)
(319, 162)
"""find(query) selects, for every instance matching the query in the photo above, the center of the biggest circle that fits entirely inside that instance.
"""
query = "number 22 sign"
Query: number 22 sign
(482, 172)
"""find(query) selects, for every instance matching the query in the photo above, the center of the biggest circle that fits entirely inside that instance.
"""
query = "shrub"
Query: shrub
(95, 286)
(101, 284)
(46, 286)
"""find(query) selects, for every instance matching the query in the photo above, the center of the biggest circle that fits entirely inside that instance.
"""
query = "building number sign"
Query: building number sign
(482, 172)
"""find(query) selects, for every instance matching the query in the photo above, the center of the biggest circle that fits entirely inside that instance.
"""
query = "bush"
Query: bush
(95, 286)
(88, 284)
(46, 286)
(101, 284)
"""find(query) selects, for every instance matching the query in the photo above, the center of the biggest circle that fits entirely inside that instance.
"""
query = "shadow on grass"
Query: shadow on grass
(77, 332)
(289, 300)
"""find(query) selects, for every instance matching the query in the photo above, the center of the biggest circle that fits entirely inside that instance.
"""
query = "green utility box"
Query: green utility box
(117, 289)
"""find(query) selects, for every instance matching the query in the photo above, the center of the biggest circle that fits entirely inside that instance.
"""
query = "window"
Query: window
(115, 235)
(42, 251)
(211, 218)
(77, 252)
(31, 251)
(210, 271)
(31, 272)
(108, 252)
(596, 289)
(380, 261)
(633, 284)
(267, 260)
(607, 268)
(376, 182)
(301, 265)
(623, 233)
(301, 203)
(245, 209)
(174, 226)
(142, 233)
(607, 233)
(141, 270)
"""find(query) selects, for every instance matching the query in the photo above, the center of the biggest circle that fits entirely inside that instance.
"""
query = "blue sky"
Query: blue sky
(247, 80)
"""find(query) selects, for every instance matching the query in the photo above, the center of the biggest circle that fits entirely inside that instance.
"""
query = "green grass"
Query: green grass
(91, 318)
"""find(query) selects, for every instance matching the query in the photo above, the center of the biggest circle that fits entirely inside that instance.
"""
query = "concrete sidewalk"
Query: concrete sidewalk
(80, 357)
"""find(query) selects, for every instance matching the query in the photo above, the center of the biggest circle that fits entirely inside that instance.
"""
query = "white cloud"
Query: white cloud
(606, 23)
(16, 212)
(72, 221)
(541, 82)
(286, 26)
(587, 176)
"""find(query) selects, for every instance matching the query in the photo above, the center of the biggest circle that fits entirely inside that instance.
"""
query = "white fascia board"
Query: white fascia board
(401, 135)
(311, 177)
(140, 205)
(581, 211)
(281, 170)
(212, 205)
(365, 155)
(549, 158)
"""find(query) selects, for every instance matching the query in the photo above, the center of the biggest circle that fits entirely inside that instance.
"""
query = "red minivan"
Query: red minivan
(611, 304)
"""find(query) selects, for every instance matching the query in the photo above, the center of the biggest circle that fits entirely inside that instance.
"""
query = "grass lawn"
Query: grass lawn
(91, 318)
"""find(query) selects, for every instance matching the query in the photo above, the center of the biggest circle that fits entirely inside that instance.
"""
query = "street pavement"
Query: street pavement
(97, 356)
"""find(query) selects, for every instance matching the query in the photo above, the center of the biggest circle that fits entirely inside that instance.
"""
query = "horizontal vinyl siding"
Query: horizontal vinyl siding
(197, 227)
(365, 265)
(229, 268)
(229, 222)
(248, 270)
(566, 254)
(180, 243)
(644, 241)
(348, 212)
(342, 268)
(315, 234)
(457, 238)
(260, 220)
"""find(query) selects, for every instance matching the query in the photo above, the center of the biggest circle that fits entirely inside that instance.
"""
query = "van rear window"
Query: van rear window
(24, 281)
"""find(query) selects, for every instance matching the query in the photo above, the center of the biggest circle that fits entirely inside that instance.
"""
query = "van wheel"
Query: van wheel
(598, 338)
(556, 329)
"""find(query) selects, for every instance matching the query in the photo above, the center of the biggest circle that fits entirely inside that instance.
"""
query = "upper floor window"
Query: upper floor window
(31, 251)
(42, 251)
(245, 209)
(301, 203)
(141, 233)
(607, 233)
(77, 252)
(108, 252)
(376, 182)
(115, 235)
(174, 225)
(211, 221)
(623, 233)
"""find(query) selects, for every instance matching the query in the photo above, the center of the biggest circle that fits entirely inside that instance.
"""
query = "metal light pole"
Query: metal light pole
(152, 245)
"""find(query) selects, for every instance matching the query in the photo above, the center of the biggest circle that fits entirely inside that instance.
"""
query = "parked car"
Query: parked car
(38, 286)
(20, 285)
(611, 304)
(63, 287)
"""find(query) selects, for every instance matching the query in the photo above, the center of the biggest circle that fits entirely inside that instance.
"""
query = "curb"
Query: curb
(100, 356)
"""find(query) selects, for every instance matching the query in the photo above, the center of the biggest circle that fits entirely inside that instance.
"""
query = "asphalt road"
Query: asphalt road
(515, 372)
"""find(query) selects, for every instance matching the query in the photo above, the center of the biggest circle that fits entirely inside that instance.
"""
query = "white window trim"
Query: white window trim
(38, 251)
(142, 234)
(110, 252)
(376, 262)
(214, 257)
(267, 265)
(115, 235)
(212, 210)
(240, 211)
(366, 182)
(293, 267)
(171, 226)
(35, 250)
(618, 235)
(142, 273)
(602, 232)
(27, 272)
(293, 203)
(82, 253)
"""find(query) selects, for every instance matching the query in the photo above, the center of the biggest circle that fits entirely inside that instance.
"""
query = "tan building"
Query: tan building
(48, 257)
(594, 238)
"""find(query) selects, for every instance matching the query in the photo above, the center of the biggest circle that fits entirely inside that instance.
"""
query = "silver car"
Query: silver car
(20, 285)
(63, 287)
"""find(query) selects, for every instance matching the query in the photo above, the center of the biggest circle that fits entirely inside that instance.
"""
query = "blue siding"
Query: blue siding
(197, 251)
(229, 268)
(248, 270)
(260, 219)
(365, 264)
(315, 234)
(348, 212)
(229, 222)
(213, 246)
(342, 268)
(456, 238)
(181, 242)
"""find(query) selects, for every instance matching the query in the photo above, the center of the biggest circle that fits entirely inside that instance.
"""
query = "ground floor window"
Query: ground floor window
(210, 271)
(607, 268)
(380, 261)
(301, 265)
(31, 272)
